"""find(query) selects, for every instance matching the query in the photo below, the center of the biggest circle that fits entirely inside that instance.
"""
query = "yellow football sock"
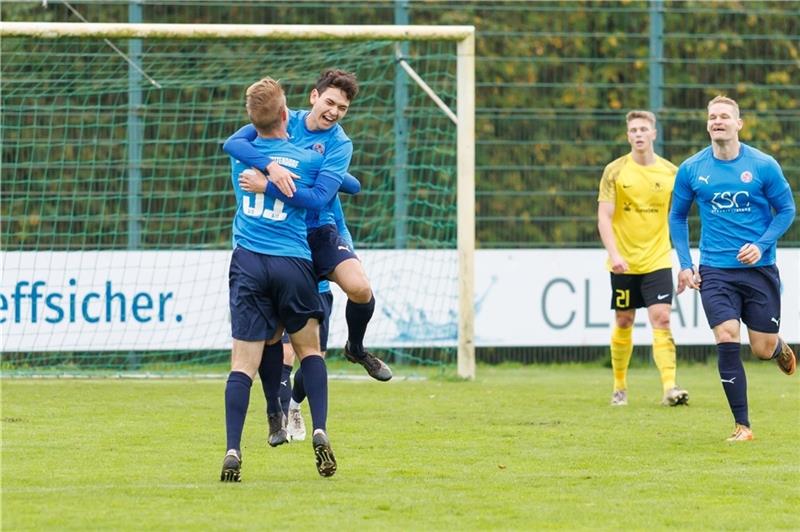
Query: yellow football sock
(621, 350)
(664, 355)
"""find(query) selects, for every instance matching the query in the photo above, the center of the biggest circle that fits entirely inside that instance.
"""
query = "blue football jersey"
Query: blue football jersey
(266, 225)
(735, 200)
(334, 145)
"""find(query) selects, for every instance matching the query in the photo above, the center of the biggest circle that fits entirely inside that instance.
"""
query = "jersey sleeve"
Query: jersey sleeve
(350, 184)
(683, 185)
(682, 198)
(239, 145)
(779, 195)
(775, 182)
(337, 160)
(341, 225)
(608, 185)
(313, 198)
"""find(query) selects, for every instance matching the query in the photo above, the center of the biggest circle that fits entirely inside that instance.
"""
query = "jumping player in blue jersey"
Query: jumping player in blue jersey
(317, 129)
(272, 283)
(736, 188)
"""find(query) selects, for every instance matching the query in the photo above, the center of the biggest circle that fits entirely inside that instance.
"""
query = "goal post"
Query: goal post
(88, 142)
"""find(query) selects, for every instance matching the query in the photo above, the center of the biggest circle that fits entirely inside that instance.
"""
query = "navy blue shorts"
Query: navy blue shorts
(326, 298)
(750, 294)
(632, 291)
(269, 291)
(328, 249)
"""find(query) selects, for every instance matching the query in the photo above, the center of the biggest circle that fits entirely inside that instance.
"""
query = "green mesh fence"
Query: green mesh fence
(554, 79)
(96, 159)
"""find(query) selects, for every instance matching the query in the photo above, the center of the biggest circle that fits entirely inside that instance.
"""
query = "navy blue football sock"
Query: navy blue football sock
(237, 397)
(286, 388)
(734, 381)
(315, 379)
(270, 373)
(299, 390)
(358, 316)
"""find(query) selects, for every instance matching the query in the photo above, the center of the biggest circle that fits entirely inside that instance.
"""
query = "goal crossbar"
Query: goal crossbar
(464, 36)
(316, 32)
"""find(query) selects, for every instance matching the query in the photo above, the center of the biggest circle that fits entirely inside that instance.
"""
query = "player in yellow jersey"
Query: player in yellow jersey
(633, 205)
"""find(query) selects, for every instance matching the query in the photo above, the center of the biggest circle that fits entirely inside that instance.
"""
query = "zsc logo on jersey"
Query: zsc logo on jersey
(319, 148)
(731, 201)
(746, 177)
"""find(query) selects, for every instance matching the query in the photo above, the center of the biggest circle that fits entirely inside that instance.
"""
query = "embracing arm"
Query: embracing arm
(239, 146)
(314, 198)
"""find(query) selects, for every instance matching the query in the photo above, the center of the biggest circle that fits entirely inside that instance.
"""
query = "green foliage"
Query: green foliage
(554, 80)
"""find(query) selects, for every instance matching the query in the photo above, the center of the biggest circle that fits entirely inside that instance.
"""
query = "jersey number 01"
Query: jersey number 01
(259, 211)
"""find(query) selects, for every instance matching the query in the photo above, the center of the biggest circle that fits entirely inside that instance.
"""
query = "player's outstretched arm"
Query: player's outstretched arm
(239, 146)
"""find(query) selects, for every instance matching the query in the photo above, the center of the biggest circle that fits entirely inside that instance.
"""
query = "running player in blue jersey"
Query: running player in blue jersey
(272, 283)
(736, 188)
(318, 129)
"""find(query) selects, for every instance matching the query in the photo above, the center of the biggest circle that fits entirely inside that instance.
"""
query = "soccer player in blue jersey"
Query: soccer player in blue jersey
(318, 129)
(745, 205)
(293, 426)
(272, 283)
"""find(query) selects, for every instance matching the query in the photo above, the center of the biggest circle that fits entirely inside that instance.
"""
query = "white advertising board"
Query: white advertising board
(178, 300)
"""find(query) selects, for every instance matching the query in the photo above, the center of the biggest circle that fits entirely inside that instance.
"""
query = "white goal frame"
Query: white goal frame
(464, 36)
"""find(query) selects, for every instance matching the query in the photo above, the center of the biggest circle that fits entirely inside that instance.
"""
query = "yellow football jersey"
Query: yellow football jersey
(641, 196)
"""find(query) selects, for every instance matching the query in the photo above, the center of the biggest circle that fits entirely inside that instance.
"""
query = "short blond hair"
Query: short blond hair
(265, 104)
(637, 113)
(720, 98)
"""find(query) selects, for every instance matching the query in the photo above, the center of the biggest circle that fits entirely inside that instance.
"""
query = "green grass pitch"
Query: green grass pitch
(534, 447)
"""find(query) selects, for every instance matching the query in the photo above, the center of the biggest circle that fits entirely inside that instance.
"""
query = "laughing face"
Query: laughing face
(327, 108)
(723, 122)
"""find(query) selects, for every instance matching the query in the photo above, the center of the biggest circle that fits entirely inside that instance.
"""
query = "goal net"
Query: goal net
(117, 200)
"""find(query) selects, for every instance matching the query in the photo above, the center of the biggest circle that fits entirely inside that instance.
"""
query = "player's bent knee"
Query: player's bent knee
(361, 293)
(763, 345)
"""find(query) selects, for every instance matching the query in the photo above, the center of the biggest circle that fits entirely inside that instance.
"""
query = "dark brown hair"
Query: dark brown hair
(338, 79)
